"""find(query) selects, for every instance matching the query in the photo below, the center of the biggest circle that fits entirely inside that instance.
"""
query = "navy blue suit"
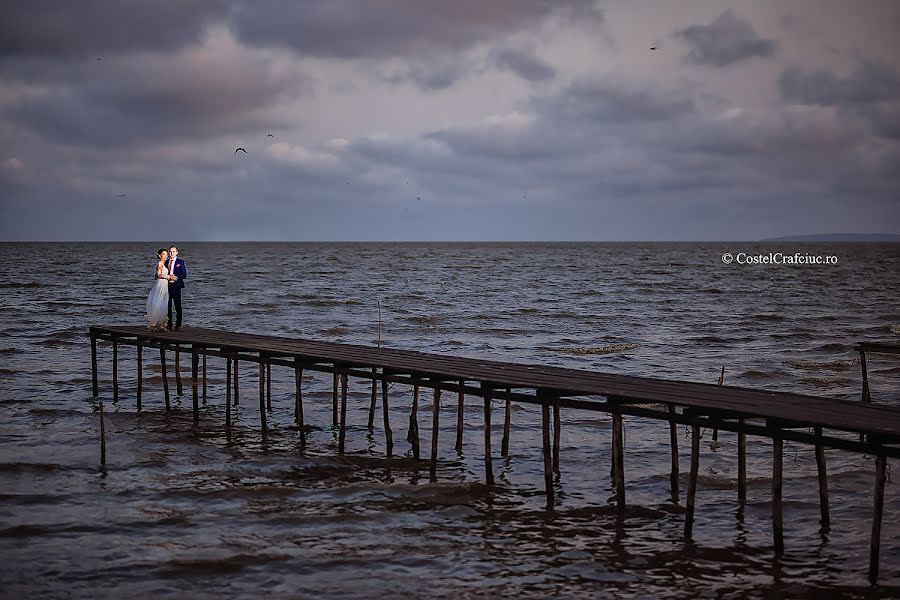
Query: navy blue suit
(175, 288)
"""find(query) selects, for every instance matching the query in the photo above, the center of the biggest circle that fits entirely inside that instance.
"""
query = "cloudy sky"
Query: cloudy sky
(448, 120)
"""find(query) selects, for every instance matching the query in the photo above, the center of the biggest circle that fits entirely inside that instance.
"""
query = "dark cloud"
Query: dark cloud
(524, 63)
(64, 29)
(614, 101)
(726, 40)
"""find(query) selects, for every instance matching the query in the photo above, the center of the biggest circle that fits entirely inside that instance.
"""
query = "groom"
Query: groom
(179, 272)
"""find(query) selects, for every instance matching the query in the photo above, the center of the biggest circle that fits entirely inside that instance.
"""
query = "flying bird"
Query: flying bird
(120, 195)
(271, 136)
(418, 197)
(653, 48)
(241, 149)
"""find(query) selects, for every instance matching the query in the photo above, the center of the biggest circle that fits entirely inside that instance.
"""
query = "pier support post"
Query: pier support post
(179, 391)
(388, 434)
(334, 398)
(102, 439)
(619, 459)
(412, 436)
(507, 417)
(460, 416)
(342, 433)
(115, 371)
(777, 516)
(262, 399)
(866, 397)
(823, 481)
(673, 442)
(557, 430)
(374, 401)
(548, 460)
(140, 373)
(162, 365)
(742, 464)
(204, 377)
(488, 466)
(298, 401)
(435, 423)
(94, 385)
(269, 387)
(228, 393)
(692, 482)
(195, 394)
(875, 546)
(237, 387)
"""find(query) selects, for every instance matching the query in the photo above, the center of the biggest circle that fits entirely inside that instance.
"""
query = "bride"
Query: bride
(158, 301)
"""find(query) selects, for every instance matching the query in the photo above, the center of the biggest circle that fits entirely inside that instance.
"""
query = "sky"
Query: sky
(460, 120)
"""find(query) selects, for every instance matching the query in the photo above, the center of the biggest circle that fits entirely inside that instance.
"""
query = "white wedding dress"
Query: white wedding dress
(158, 300)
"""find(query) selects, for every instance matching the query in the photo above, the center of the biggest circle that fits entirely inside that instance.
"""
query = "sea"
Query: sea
(194, 511)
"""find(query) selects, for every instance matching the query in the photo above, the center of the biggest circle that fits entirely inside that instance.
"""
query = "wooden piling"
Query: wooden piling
(877, 513)
(557, 432)
(115, 373)
(715, 435)
(204, 377)
(673, 442)
(95, 387)
(777, 516)
(298, 401)
(140, 373)
(435, 422)
(228, 367)
(460, 417)
(162, 364)
(412, 436)
(507, 417)
(262, 399)
(342, 433)
(388, 434)
(195, 363)
(334, 398)
(269, 387)
(618, 458)
(488, 466)
(237, 387)
(742, 464)
(866, 397)
(823, 481)
(692, 482)
(374, 401)
(548, 461)
(179, 391)
(102, 438)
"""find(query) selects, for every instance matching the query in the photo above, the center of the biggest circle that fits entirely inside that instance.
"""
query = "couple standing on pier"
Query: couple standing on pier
(166, 293)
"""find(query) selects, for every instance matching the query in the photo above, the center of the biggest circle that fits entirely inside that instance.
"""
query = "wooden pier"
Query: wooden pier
(823, 423)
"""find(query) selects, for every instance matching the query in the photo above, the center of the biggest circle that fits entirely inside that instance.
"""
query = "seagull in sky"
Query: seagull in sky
(240, 149)
(654, 48)
(271, 136)
(120, 195)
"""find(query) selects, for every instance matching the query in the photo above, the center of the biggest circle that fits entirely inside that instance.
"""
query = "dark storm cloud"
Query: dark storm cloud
(393, 28)
(65, 29)
(523, 63)
(614, 101)
(726, 40)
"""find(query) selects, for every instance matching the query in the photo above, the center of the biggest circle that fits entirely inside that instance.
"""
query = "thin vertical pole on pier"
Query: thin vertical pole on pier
(877, 513)
(94, 384)
(866, 397)
(374, 402)
(204, 377)
(673, 442)
(140, 373)
(298, 401)
(557, 431)
(460, 416)
(269, 387)
(412, 435)
(228, 392)
(619, 458)
(334, 398)
(179, 391)
(102, 438)
(195, 393)
(507, 417)
(548, 461)
(237, 387)
(742, 464)
(435, 422)
(342, 433)
(777, 517)
(262, 398)
(823, 480)
(115, 371)
(388, 434)
(692, 482)
(488, 466)
(715, 435)
(162, 364)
